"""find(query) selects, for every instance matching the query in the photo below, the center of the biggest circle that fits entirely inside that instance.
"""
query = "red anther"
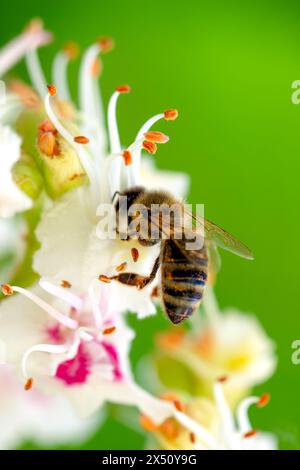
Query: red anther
(71, 50)
(171, 114)
(250, 433)
(6, 289)
(151, 147)
(28, 385)
(52, 89)
(222, 379)
(156, 137)
(127, 157)
(121, 267)
(104, 278)
(135, 254)
(192, 437)
(109, 331)
(81, 139)
(106, 44)
(46, 144)
(65, 284)
(123, 89)
(264, 400)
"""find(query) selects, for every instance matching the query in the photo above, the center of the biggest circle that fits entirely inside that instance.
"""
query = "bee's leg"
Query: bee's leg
(133, 279)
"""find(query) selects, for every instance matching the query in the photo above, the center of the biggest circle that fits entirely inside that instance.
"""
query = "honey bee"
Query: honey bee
(183, 271)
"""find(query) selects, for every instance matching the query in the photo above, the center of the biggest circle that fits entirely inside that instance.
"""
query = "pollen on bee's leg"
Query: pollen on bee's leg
(65, 284)
(264, 400)
(81, 139)
(28, 385)
(123, 89)
(135, 254)
(109, 330)
(6, 289)
(52, 89)
(104, 278)
(150, 147)
(106, 44)
(121, 267)
(156, 137)
(250, 433)
(127, 157)
(171, 114)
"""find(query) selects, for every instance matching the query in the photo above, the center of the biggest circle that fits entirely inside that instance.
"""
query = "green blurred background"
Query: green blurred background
(228, 68)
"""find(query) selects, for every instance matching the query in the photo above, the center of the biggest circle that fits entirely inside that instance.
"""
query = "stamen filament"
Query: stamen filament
(59, 74)
(63, 319)
(114, 139)
(35, 71)
(60, 292)
(90, 99)
(242, 414)
(227, 421)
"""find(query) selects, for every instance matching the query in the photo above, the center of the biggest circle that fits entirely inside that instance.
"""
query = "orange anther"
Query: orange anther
(104, 278)
(6, 289)
(106, 44)
(28, 385)
(127, 157)
(156, 137)
(171, 114)
(151, 147)
(123, 89)
(109, 331)
(250, 433)
(65, 284)
(264, 400)
(52, 89)
(121, 267)
(81, 139)
(135, 254)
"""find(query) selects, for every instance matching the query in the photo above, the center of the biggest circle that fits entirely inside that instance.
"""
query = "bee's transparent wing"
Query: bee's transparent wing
(220, 237)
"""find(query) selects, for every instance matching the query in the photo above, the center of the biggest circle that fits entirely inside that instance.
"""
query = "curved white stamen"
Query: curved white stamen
(48, 348)
(35, 72)
(61, 318)
(72, 299)
(114, 139)
(148, 124)
(242, 414)
(82, 154)
(193, 426)
(59, 74)
(90, 99)
(69, 350)
(136, 148)
(227, 421)
(85, 79)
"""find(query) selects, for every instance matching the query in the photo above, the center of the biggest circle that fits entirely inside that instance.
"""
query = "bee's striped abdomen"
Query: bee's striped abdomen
(183, 280)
